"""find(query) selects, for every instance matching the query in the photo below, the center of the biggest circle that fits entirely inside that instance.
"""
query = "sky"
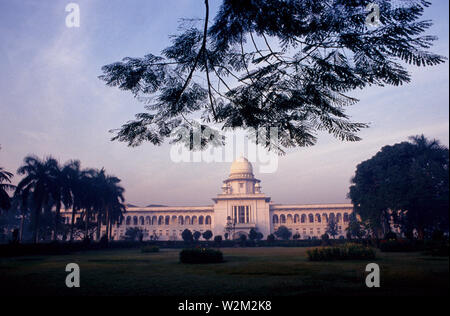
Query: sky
(52, 103)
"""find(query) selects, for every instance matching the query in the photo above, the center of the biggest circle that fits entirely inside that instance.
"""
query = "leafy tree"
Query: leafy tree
(283, 232)
(196, 235)
(38, 182)
(259, 236)
(354, 228)
(218, 239)
(207, 234)
(406, 183)
(325, 239)
(229, 229)
(270, 238)
(284, 64)
(253, 234)
(5, 186)
(187, 235)
(133, 234)
(332, 227)
(107, 201)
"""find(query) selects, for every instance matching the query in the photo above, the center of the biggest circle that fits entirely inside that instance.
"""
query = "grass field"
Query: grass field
(247, 271)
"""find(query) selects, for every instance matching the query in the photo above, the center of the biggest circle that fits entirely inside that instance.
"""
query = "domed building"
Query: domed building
(240, 207)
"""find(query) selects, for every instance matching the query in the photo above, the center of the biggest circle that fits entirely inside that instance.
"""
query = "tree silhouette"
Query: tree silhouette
(283, 232)
(207, 235)
(407, 183)
(332, 227)
(5, 186)
(284, 64)
(38, 181)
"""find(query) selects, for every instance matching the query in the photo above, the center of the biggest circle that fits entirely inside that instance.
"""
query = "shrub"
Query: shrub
(390, 236)
(186, 235)
(207, 234)
(400, 245)
(201, 255)
(259, 236)
(147, 249)
(270, 238)
(283, 232)
(218, 239)
(347, 251)
(437, 235)
(253, 234)
(196, 235)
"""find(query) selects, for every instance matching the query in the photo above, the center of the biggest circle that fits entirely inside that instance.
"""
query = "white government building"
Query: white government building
(243, 205)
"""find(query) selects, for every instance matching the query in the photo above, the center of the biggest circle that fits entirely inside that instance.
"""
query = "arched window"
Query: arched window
(338, 217)
(148, 220)
(275, 219)
(208, 220)
(174, 220)
(296, 218)
(135, 220)
(332, 216)
(167, 220)
(154, 220)
(200, 220)
(187, 220)
(345, 217)
(325, 217)
(128, 221)
(180, 220)
(289, 219)
(141, 220)
(303, 218)
(282, 219)
(318, 218)
(311, 218)
(160, 220)
(194, 220)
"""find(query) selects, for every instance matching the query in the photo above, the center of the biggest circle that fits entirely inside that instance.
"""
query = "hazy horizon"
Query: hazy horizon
(52, 103)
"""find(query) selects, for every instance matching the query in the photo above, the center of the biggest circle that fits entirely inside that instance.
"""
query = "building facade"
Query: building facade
(240, 207)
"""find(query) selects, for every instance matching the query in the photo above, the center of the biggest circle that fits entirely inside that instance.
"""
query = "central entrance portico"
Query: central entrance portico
(241, 202)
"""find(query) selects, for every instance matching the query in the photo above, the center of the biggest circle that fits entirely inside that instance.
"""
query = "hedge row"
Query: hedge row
(348, 251)
(201, 255)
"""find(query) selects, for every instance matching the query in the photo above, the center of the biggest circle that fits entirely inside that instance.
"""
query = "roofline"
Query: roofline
(171, 208)
(309, 206)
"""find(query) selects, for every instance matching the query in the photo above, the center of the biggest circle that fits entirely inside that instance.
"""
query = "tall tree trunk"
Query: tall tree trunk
(110, 230)
(72, 223)
(107, 223)
(22, 220)
(55, 229)
(99, 225)
(36, 225)
(86, 224)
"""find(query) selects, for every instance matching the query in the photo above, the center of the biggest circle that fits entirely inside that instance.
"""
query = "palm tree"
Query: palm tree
(5, 186)
(109, 200)
(39, 182)
(72, 192)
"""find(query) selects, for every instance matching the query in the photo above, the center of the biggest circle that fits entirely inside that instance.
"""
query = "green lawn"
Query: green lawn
(247, 271)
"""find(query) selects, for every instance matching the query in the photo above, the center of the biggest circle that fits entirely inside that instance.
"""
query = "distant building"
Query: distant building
(240, 207)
